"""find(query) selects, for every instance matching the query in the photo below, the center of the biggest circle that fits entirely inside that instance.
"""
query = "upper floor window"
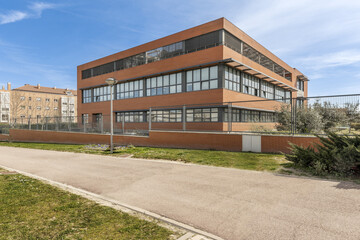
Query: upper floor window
(86, 96)
(102, 94)
(22, 98)
(250, 85)
(132, 89)
(232, 79)
(267, 90)
(38, 99)
(300, 84)
(165, 84)
(202, 79)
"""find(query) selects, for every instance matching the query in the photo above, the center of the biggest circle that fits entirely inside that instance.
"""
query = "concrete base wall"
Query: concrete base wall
(190, 140)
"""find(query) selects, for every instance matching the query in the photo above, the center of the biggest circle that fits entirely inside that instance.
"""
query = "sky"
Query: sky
(44, 41)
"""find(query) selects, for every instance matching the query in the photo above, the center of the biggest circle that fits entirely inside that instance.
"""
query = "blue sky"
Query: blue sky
(43, 41)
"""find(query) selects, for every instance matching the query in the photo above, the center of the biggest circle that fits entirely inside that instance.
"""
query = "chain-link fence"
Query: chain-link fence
(310, 115)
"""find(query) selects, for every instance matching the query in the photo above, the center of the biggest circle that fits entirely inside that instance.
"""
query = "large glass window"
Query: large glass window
(202, 115)
(86, 96)
(131, 89)
(250, 85)
(235, 115)
(300, 84)
(267, 90)
(190, 45)
(232, 79)
(165, 84)
(202, 79)
(130, 116)
(173, 115)
(250, 116)
(102, 94)
(267, 117)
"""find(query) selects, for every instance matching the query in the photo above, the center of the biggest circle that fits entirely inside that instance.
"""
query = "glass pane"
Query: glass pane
(178, 88)
(205, 85)
(189, 87)
(178, 78)
(205, 74)
(196, 86)
(173, 79)
(166, 80)
(213, 84)
(189, 76)
(197, 75)
(173, 89)
(214, 72)
(159, 81)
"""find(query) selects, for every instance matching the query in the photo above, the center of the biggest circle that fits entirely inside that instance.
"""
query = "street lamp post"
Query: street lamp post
(111, 82)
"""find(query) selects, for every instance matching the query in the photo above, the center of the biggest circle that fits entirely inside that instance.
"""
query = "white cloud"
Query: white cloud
(34, 11)
(12, 16)
(329, 60)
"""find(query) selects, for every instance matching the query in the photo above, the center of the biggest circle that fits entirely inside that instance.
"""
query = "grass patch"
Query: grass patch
(30, 209)
(240, 160)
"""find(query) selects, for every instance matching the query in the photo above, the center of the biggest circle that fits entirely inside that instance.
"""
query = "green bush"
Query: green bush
(336, 154)
(356, 126)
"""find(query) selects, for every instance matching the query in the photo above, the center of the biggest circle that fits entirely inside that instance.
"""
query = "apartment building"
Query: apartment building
(40, 103)
(5, 104)
(203, 76)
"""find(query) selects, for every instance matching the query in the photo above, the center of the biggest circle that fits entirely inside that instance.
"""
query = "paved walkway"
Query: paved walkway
(230, 203)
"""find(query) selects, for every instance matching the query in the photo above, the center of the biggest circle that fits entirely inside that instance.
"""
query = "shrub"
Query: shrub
(336, 154)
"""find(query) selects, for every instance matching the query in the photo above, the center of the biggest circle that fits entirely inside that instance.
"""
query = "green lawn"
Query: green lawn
(250, 161)
(30, 209)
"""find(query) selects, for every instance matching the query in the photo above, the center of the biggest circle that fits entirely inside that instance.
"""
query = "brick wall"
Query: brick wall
(173, 139)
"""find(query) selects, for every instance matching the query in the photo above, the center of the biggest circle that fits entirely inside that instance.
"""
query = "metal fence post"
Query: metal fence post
(57, 123)
(123, 122)
(229, 117)
(150, 119)
(37, 123)
(101, 124)
(46, 123)
(29, 122)
(69, 124)
(184, 118)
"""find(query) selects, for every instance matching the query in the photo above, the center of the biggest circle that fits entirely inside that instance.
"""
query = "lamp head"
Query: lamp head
(111, 81)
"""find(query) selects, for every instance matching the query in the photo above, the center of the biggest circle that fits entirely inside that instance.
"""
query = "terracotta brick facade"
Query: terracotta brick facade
(206, 57)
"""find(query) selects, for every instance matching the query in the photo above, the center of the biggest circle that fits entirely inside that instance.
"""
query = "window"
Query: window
(86, 96)
(132, 89)
(202, 115)
(47, 108)
(165, 52)
(250, 85)
(279, 94)
(130, 116)
(241, 47)
(38, 116)
(267, 90)
(22, 98)
(29, 98)
(232, 79)
(165, 84)
(250, 116)
(5, 117)
(38, 99)
(267, 117)
(47, 99)
(56, 100)
(102, 94)
(29, 107)
(173, 115)
(22, 117)
(235, 115)
(300, 84)
(22, 107)
(190, 45)
(38, 108)
(202, 79)
(55, 108)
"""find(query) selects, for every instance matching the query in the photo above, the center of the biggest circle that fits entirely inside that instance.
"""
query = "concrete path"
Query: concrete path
(230, 203)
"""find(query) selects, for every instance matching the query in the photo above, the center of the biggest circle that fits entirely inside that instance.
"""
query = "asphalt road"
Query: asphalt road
(230, 203)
